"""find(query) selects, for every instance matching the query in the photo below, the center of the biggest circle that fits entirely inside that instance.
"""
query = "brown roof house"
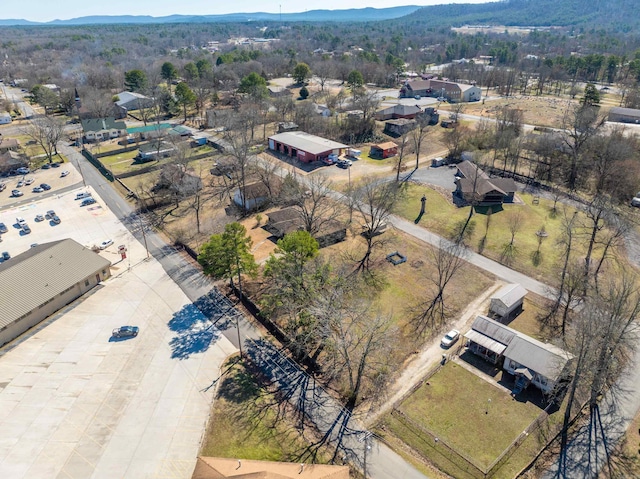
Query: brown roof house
(9, 144)
(288, 220)
(398, 111)
(10, 160)
(452, 91)
(383, 150)
(474, 186)
(222, 468)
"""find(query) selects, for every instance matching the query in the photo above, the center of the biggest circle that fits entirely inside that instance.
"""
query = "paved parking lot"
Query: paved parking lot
(75, 403)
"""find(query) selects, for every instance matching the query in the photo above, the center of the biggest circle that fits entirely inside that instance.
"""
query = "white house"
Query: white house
(5, 118)
(254, 195)
(507, 301)
(100, 129)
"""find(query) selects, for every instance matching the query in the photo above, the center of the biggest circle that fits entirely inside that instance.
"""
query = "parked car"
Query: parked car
(16, 193)
(28, 181)
(25, 229)
(55, 165)
(39, 218)
(50, 214)
(3, 228)
(2, 186)
(23, 171)
(55, 219)
(46, 166)
(20, 221)
(125, 332)
(450, 338)
(5, 256)
(64, 173)
(33, 245)
(87, 201)
(105, 244)
(344, 163)
(45, 186)
(83, 194)
(38, 189)
(635, 201)
(20, 184)
(327, 161)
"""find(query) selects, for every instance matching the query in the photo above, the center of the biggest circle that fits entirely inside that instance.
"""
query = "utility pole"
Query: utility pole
(144, 236)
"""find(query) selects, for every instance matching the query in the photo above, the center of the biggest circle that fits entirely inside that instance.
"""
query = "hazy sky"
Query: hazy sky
(46, 10)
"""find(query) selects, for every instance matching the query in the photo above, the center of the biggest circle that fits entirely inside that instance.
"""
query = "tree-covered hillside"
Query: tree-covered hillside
(621, 15)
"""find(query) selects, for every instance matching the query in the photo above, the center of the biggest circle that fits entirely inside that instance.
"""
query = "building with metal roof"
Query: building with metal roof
(43, 279)
(304, 146)
(529, 360)
(624, 115)
(507, 301)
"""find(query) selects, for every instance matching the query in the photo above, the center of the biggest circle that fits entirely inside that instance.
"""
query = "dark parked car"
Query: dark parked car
(5, 256)
(125, 332)
(87, 201)
(55, 165)
(55, 219)
(3, 228)
(50, 214)
(45, 186)
(46, 166)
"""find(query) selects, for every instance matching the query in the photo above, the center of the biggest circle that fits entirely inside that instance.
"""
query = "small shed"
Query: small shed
(507, 302)
(384, 150)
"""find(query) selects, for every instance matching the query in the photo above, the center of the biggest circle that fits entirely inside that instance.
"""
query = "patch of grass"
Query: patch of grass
(442, 215)
(471, 415)
(526, 322)
(243, 423)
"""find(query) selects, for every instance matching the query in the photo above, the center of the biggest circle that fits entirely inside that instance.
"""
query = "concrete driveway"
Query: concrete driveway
(74, 403)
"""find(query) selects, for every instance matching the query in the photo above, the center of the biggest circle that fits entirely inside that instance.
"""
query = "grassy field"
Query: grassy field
(243, 423)
(442, 215)
(474, 417)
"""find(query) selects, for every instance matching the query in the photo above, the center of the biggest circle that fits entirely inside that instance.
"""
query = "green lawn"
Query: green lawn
(441, 217)
(243, 423)
(472, 416)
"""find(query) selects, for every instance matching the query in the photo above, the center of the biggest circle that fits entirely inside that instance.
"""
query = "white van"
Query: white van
(84, 194)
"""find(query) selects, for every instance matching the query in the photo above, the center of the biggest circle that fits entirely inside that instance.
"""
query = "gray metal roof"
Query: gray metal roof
(618, 110)
(32, 278)
(495, 330)
(307, 142)
(485, 341)
(510, 294)
(542, 358)
(101, 124)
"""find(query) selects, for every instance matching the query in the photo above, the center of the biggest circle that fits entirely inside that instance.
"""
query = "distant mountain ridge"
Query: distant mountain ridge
(348, 15)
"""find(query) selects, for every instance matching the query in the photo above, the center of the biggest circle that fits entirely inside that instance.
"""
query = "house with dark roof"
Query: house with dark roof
(37, 283)
(399, 127)
(288, 220)
(474, 186)
(398, 111)
(529, 360)
(100, 129)
(223, 468)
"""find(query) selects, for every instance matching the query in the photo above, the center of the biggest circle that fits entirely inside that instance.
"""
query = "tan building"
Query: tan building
(222, 468)
(40, 281)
